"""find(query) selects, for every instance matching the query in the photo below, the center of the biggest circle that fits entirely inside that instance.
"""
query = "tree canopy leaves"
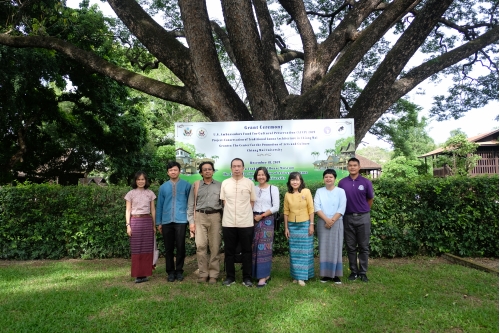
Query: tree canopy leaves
(56, 116)
(354, 60)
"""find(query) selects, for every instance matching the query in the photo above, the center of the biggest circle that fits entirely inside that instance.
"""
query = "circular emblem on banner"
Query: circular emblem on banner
(202, 133)
(187, 131)
(327, 130)
(341, 129)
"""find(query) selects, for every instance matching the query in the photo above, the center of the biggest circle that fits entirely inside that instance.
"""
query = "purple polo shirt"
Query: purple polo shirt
(357, 192)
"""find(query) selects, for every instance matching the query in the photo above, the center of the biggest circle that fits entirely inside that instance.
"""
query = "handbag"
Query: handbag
(277, 215)
(156, 252)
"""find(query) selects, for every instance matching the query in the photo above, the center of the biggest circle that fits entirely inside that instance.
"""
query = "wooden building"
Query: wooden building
(487, 149)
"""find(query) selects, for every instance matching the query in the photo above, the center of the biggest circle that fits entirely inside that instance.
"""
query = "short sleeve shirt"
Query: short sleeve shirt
(141, 201)
(357, 192)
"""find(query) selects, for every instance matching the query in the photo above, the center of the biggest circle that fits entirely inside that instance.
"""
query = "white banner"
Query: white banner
(282, 146)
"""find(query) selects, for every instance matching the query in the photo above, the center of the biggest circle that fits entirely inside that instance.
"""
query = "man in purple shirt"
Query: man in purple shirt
(359, 193)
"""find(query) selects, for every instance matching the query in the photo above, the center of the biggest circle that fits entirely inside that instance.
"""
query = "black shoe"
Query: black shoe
(352, 277)
(248, 283)
(171, 278)
(228, 282)
(363, 278)
(325, 279)
(141, 280)
(336, 280)
(179, 277)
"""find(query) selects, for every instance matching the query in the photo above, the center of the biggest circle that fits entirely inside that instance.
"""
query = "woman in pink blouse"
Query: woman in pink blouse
(140, 217)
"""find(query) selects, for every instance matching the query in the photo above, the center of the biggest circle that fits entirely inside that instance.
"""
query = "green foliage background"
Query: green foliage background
(425, 216)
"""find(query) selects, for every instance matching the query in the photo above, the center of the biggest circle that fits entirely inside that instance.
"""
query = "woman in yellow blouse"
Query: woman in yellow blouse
(299, 228)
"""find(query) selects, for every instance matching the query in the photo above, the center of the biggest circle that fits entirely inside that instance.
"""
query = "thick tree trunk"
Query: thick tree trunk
(250, 42)
(210, 88)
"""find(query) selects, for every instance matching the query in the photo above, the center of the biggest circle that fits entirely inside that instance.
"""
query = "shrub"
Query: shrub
(425, 216)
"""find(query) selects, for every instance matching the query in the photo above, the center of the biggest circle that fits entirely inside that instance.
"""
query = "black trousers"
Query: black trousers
(357, 231)
(233, 236)
(174, 235)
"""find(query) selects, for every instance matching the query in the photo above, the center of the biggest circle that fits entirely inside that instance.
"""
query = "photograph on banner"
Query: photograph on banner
(282, 146)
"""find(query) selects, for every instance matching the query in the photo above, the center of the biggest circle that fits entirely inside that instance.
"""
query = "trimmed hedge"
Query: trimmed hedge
(458, 215)
(428, 216)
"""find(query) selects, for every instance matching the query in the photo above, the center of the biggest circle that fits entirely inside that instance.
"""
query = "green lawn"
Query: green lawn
(404, 295)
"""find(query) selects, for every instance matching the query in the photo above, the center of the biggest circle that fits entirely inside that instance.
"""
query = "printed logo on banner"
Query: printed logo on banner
(202, 133)
(327, 130)
(341, 129)
(188, 131)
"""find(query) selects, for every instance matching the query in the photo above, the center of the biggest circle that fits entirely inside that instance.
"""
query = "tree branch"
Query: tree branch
(330, 86)
(211, 90)
(280, 42)
(224, 39)
(433, 66)
(157, 40)
(336, 42)
(270, 58)
(289, 55)
(99, 65)
(297, 10)
(250, 53)
(345, 102)
(18, 156)
(368, 104)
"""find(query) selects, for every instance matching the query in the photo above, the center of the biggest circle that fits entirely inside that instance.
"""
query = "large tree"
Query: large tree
(347, 66)
(405, 131)
(48, 129)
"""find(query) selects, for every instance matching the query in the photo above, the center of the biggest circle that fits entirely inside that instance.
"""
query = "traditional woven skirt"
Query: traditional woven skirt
(262, 248)
(141, 246)
(330, 248)
(301, 251)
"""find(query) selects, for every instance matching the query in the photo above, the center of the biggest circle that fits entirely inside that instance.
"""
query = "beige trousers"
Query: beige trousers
(208, 236)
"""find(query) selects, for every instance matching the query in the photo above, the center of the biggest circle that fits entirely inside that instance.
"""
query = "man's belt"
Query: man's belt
(357, 214)
(209, 211)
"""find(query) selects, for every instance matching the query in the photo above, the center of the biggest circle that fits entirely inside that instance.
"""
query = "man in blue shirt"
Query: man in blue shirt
(357, 224)
(171, 219)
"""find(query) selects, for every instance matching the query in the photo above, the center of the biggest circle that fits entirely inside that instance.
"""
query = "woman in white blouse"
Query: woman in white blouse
(267, 203)
(329, 205)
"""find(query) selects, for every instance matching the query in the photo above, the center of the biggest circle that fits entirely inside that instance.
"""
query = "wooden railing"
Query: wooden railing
(441, 172)
(486, 166)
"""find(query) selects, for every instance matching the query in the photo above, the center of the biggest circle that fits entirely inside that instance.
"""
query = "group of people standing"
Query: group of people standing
(245, 214)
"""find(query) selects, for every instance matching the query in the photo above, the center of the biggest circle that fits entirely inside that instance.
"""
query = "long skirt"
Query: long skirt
(301, 251)
(141, 246)
(262, 247)
(330, 248)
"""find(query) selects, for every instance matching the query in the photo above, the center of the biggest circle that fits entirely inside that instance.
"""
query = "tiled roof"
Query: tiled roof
(367, 164)
(471, 139)
(480, 136)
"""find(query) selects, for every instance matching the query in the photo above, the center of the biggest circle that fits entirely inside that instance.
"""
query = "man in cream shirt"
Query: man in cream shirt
(238, 196)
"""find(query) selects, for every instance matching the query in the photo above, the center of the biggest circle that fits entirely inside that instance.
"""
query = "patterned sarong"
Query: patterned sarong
(330, 248)
(262, 248)
(141, 246)
(301, 251)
